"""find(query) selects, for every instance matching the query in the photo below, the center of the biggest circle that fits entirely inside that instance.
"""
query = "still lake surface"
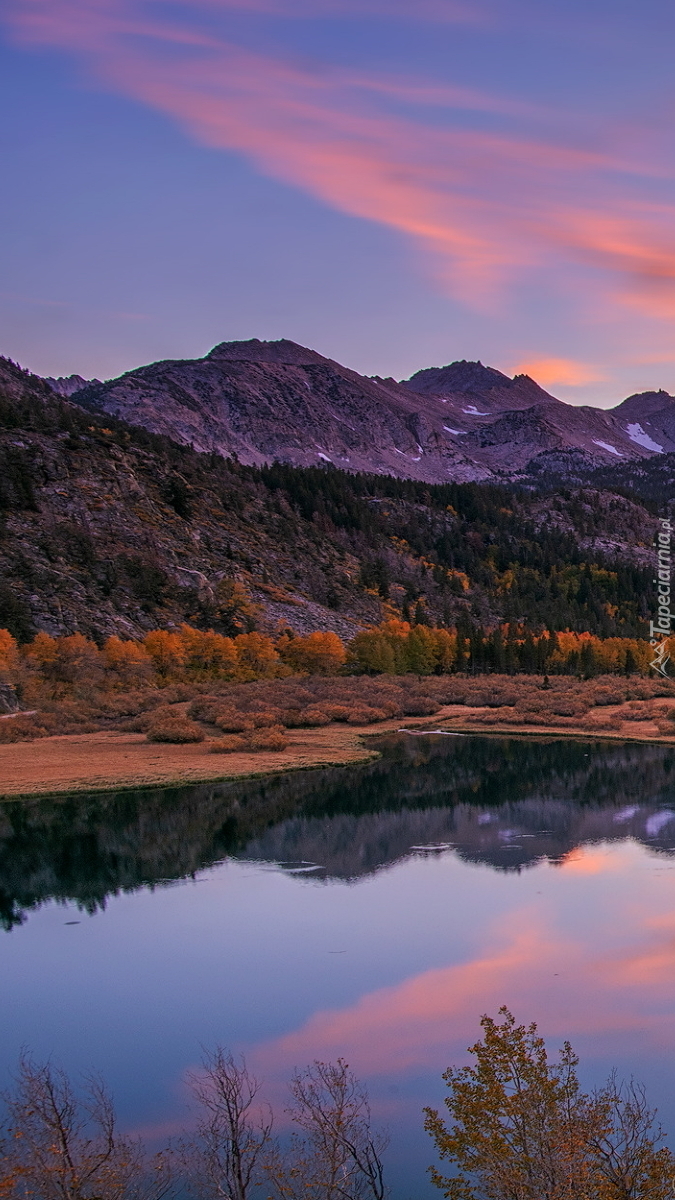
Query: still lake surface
(373, 912)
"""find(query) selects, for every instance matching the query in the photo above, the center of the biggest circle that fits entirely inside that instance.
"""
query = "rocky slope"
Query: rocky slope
(263, 401)
(107, 528)
(67, 385)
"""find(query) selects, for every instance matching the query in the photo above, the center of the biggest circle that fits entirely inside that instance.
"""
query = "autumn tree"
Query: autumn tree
(226, 1157)
(630, 1163)
(65, 663)
(256, 656)
(64, 1147)
(232, 608)
(127, 662)
(9, 657)
(166, 651)
(523, 1130)
(315, 654)
(337, 1155)
(518, 1129)
(208, 652)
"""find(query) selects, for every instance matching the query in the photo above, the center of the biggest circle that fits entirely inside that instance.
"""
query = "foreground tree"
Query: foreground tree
(624, 1142)
(227, 1155)
(61, 1147)
(523, 1130)
(337, 1156)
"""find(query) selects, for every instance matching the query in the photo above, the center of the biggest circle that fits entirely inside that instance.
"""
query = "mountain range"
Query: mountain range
(264, 401)
(106, 527)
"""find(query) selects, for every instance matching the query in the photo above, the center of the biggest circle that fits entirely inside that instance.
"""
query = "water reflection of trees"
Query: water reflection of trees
(502, 802)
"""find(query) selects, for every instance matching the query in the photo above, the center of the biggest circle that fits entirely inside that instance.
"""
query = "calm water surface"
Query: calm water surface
(373, 913)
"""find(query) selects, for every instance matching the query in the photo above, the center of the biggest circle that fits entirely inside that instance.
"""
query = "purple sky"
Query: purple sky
(397, 183)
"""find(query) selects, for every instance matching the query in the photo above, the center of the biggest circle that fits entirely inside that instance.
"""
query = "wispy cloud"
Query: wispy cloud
(487, 206)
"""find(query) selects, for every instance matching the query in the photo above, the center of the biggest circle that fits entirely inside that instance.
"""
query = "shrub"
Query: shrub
(227, 745)
(265, 719)
(419, 706)
(608, 695)
(268, 739)
(176, 729)
(313, 717)
(233, 722)
(641, 712)
(21, 729)
(205, 708)
(365, 715)
(337, 712)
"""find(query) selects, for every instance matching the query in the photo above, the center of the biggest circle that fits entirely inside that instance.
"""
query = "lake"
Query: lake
(372, 912)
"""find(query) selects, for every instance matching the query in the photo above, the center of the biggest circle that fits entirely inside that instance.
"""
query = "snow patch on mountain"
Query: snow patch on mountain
(638, 435)
(606, 446)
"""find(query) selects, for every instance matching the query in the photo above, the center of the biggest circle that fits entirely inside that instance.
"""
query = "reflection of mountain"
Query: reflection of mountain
(505, 803)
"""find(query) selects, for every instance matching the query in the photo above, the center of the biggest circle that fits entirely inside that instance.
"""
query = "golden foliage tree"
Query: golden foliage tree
(256, 656)
(209, 652)
(166, 651)
(127, 661)
(523, 1130)
(9, 657)
(314, 654)
(65, 663)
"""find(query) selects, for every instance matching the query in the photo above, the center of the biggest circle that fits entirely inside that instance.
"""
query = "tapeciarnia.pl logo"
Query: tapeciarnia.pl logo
(661, 629)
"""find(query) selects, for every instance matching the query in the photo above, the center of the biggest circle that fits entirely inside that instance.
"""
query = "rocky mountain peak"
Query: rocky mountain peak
(282, 352)
(644, 404)
(461, 376)
(67, 385)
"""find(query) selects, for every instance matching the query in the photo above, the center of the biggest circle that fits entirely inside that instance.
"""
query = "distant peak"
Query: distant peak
(644, 404)
(460, 376)
(67, 385)
(283, 352)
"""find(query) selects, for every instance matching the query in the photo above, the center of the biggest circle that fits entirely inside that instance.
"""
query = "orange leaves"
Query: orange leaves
(166, 651)
(256, 656)
(129, 661)
(9, 656)
(316, 654)
(208, 651)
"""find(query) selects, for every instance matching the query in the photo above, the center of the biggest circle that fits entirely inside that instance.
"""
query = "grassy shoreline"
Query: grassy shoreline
(112, 761)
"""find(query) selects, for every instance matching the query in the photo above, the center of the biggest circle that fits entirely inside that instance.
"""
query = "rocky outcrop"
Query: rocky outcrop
(67, 385)
(9, 701)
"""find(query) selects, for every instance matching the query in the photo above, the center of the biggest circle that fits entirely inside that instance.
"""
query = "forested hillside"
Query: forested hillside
(106, 528)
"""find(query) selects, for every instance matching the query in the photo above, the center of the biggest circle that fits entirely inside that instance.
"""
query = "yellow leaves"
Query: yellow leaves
(396, 647)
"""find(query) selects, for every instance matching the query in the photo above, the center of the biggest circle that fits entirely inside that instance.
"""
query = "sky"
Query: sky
(395, 183)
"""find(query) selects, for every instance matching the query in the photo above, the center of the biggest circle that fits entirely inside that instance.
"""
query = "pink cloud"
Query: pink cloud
(426, 1022)
(485, 207)
(561, 372)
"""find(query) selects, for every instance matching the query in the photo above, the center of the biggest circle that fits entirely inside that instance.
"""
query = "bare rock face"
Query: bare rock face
(9, 701)
(265, 401)
(67, 385)
(276, 400)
